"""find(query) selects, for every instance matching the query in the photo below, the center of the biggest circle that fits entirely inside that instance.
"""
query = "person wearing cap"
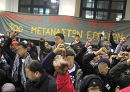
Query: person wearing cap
(20, 59)
(13, 46)
(91, 83)
(73, 68)
(76, 44)
(103, 67)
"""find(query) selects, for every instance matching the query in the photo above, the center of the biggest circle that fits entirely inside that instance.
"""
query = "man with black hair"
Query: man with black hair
(39, 80)
(76, 44)
(20, 59)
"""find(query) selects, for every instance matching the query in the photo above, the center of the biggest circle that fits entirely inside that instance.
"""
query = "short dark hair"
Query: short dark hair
(60, 35)
(77, 35)
(34, 66)
(23, 44)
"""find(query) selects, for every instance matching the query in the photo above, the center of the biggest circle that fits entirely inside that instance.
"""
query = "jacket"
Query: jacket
(64, 83)
(46, 84)
(120, 75)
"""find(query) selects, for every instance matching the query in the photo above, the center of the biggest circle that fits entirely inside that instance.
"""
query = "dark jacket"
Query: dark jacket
(84, 62)
(9, 52)
(75, 46)
(120, 75)
(46, 84)
(33, 54)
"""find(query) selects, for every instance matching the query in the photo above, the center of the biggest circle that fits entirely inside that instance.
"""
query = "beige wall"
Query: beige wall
(12, 5)
(67, 7)
(9, 5)
(77, 8)
(127, 14)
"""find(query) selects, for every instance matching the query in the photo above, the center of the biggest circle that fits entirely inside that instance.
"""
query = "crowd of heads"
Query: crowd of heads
(95, 61)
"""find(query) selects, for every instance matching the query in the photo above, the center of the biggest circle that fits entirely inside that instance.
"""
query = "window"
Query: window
(102, 4)
(89, 3)
(89, 14)
(25, 10)
(47, 11)
(117, 5)
(25, 2)
(42, 7)
(103, 9)
(101, 15)
(116, 16)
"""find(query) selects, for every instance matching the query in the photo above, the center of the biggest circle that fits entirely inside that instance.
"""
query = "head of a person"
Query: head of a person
(77, 37)
(103, 66)
(34, 70)
(29, 47)
(91, 83)
(14, 45)
(21, 49)
(106, 42)
(8, 87)
(2, 39)
(59, 38)
(70, 59)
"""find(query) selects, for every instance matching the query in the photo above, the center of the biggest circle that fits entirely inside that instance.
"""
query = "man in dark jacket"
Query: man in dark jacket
(121, 73)
(39, 80)
(76, 44)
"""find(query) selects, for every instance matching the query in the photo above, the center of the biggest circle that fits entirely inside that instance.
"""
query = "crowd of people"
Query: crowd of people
(89, 67)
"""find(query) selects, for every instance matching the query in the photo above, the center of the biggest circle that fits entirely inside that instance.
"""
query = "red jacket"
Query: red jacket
(64, 83)
(127, 89)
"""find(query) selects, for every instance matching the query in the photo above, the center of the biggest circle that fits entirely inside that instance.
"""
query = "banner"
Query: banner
(36, 26)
